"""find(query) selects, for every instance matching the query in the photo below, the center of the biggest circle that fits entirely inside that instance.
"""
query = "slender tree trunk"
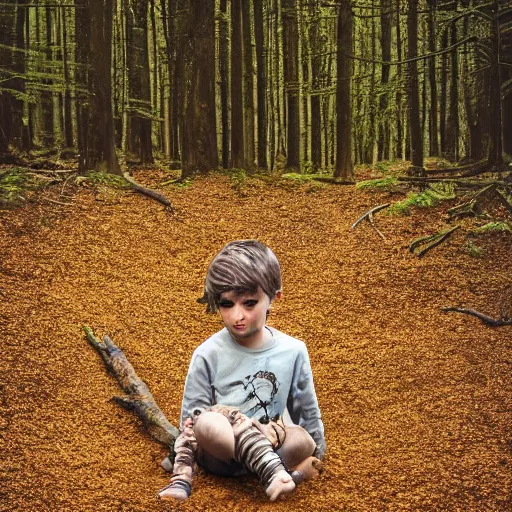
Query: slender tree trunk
(316, 114)
(452, 125)
(199, 143)
(495, 155)
(68, 123)
(139, 81)
(344, 167)
(384, 134)
(237, 105)
(248, 85)
(399, 128)
(433, 119)
(444, 91)
(291, 82)
(224, 81)
(413, 89)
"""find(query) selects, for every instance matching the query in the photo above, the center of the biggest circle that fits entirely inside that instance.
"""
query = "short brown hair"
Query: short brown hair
(242, 266)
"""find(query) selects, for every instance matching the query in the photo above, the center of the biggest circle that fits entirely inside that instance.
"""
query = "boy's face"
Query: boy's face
(244, 315)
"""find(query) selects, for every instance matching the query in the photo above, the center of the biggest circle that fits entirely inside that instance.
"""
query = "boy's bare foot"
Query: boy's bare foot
(310, 468)
(173, 492)
(280, 485)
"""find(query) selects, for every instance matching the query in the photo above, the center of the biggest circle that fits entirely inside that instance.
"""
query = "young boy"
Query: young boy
(257, 373)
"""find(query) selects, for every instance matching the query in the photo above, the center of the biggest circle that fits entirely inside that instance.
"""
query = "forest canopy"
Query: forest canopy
(272, 84)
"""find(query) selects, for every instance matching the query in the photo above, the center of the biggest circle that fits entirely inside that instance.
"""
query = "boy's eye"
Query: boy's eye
(250, 303)
(225, 304)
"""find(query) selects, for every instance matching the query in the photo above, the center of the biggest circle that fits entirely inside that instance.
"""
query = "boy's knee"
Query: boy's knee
(214, 434)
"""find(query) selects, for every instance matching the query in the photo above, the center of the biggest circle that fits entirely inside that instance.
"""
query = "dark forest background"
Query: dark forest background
(309, 85)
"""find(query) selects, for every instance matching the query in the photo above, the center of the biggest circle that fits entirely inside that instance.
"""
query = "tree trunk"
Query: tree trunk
(399, 128)
(248, 86)
(224, 81)
(495, 155)
(68, 123)
(316, 66)
(291, 82)
(413, 89)
(344, 168)
(452, 125)
(433, 120)
(237, 105)
(384, 133)
(138, 81)
(199, 141)
(444, 91)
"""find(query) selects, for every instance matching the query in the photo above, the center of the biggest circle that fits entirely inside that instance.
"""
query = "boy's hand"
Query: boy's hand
(280, 485)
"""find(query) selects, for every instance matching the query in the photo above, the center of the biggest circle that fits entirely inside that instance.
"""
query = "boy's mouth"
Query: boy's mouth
(239, 327)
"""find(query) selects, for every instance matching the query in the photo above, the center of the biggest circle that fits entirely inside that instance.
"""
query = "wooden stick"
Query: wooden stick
(431, 240)
(492, 322)
(153, 194)
(368, 213)
(138, 398)
(460, 181)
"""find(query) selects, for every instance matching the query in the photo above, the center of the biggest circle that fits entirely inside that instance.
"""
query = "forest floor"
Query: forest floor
(417, 404)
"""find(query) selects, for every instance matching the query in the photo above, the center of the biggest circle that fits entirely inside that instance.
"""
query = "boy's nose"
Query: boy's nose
(239, 313)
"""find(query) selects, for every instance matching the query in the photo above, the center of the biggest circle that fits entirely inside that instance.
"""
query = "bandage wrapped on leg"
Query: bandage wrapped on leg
(185, 446)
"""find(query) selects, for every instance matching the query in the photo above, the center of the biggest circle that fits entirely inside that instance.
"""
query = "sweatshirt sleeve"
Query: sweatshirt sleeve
(303, 404)
(198, 392)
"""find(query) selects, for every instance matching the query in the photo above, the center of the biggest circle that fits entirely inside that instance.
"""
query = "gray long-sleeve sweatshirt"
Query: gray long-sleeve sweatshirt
(262, 383)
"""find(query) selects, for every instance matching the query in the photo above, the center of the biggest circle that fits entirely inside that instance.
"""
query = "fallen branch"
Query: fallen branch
(333, 181)
(457, 181)
(55, 171)
(492, 322)
(369, 217)
(138, 398)
(431, 241)
(468, 168)
(153, 194)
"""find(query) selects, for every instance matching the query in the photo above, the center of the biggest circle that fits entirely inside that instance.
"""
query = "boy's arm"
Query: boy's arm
(303, 404)
(198, 392)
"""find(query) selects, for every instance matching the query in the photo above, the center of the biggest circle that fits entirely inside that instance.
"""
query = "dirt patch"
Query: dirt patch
(417, 404)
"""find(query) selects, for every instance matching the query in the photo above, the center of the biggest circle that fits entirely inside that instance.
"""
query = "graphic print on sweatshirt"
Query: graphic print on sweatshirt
(254, 395)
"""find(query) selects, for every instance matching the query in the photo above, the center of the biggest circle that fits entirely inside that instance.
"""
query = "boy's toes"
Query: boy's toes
(280, 485)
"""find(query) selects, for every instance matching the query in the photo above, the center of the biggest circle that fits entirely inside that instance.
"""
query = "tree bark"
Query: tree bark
(237, 98)
(138, 81)
(138, 396)
(413, 89)
(199, 142)
(383, 148)
(344, 167)
(248, 86)
(291, 83)
(224, 81)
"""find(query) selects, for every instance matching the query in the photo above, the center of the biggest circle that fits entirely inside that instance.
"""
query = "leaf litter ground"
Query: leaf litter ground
(417, 404)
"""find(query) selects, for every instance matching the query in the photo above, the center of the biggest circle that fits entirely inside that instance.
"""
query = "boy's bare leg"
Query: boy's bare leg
(257, 453)
(181, 482)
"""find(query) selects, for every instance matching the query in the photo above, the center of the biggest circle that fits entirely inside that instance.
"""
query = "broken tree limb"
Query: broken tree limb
(461, 182)
(153, 194)
(369, 217)
(430, 241)
(138, 398)
(492, 322)
(368, 213)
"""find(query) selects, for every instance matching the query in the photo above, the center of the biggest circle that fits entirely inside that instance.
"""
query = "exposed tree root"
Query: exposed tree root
(461, 182)
(153, 194)
(429, 242)
(492, 322)
(369, 217)
(464, 168)
(138, 398)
